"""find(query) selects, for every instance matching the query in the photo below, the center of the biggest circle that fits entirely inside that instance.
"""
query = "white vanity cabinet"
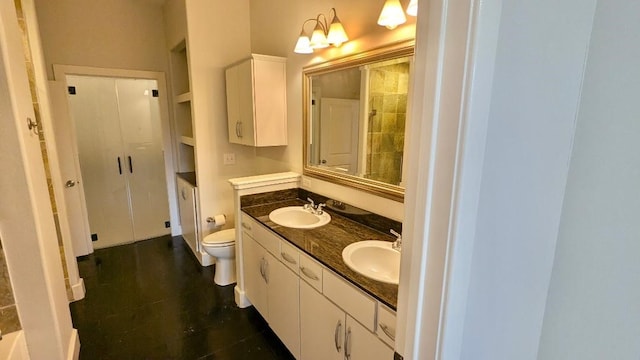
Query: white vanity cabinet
(257, 101)
(271, 286)
(315, 312)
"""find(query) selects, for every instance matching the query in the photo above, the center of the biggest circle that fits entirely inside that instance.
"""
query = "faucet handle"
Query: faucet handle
(319, 209)
(396, 234)
(311, 204)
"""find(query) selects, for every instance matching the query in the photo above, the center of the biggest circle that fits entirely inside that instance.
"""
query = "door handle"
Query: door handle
(119, 166)
(347, 344)
(336, 336)
(130, 165)
(70, 183)
(323, 161)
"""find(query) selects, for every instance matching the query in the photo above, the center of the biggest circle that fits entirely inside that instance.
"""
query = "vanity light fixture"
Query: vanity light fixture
(392, 13)
(323, 34)
(412, 8)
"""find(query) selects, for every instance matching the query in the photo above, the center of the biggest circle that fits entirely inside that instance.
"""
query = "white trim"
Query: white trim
(264, 180)
(440, 83)
(168, 144)
(42, 93)
(78, 290)
(74, 346)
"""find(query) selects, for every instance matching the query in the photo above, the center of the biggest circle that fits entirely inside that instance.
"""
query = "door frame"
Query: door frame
(61, 71)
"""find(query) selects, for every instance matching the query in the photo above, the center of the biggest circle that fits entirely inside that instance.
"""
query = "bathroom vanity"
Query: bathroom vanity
(298, 281)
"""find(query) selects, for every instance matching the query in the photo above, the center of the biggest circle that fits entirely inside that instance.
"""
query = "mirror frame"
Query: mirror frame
(387, 52)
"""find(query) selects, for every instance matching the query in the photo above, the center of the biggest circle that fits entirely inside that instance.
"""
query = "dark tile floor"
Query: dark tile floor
(152, 300)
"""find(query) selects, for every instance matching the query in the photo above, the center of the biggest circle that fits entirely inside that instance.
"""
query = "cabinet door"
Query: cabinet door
(187, 207)
(255, 265)
(284, 305)
(360, 344)
(240, 107)
(322, 326)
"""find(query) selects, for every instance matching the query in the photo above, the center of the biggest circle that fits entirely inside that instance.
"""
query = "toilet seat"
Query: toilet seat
(220, 238)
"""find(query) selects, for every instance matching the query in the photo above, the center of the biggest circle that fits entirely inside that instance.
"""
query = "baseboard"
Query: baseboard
(78, 290)
(241, 298)
(74, 346)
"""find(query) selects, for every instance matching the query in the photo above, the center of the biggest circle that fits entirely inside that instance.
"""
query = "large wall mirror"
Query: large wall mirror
(355, 118)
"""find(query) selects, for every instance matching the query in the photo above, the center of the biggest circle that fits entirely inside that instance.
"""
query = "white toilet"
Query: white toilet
(222, 246)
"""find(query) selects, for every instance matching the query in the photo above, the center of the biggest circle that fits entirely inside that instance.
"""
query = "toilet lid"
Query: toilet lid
(221, 237)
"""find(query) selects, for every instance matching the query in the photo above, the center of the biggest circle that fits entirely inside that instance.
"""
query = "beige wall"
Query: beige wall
(123, 34)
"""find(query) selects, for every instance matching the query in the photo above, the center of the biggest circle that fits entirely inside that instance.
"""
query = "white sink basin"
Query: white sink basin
(374, 259)
(298, 217)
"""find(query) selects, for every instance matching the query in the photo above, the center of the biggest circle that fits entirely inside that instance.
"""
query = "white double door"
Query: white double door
(119, 137)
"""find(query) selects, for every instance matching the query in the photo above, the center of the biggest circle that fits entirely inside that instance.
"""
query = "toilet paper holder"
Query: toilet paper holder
(218, 220)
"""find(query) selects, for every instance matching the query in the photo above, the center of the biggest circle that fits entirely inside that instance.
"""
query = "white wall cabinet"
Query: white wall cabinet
(257, 101)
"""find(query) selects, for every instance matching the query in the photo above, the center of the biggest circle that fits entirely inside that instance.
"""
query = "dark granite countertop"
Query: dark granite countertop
(325, 244)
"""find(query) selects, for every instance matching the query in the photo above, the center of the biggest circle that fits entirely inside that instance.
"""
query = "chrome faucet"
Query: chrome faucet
(311, 205)
(313, 208)
(397, 245)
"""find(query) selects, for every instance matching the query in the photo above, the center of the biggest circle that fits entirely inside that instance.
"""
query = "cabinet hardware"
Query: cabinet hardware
(391, 333)
(308, 273)
(119, 166)
(33, 126)
(347, 344)
(266, 271)
(262, 267)
(183, 193)
(336, 336)
(130, 165)
(244, 225)
(288, 258)
(239, 129)
(70, 183)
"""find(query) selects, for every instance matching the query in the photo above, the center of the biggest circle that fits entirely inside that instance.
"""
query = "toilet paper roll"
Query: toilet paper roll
(219, 220)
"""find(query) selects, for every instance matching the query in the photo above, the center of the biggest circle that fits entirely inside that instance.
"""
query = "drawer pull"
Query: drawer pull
(245, 226)
(308, 273)
(391, 333)
(336, 336)
(288, 258)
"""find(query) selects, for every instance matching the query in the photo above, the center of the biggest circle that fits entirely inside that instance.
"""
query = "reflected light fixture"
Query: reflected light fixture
(412, 8)
(323, 34)
(392, 14)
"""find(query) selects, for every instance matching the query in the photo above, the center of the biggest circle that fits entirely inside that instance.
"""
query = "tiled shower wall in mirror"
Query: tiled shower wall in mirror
(9, 321)
(389, 85)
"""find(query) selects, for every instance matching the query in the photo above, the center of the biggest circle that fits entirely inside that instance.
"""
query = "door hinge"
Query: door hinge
(71, 90)
(94, 237)
(167, 224)
(154, 92)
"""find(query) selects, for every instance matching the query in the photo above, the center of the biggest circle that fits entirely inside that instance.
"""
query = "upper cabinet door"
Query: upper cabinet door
(256, 101)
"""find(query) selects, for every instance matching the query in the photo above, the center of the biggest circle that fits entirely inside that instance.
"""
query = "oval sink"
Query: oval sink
(298, 217)
(374, 259)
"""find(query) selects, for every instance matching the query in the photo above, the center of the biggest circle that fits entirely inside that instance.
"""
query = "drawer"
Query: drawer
(352, 300)
(386, 328)
(261, 235)
(247, 224)
(311, 271)
(289, 255)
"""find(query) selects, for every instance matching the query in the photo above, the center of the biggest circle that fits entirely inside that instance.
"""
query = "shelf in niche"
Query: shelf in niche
(183, 98)
(187, 140)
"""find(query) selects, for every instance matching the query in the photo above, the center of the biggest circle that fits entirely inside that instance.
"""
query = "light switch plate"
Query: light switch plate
(229, 159)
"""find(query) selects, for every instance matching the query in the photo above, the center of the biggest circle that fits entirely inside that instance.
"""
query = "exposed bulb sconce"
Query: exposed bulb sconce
(323, 34)
(392, 13)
